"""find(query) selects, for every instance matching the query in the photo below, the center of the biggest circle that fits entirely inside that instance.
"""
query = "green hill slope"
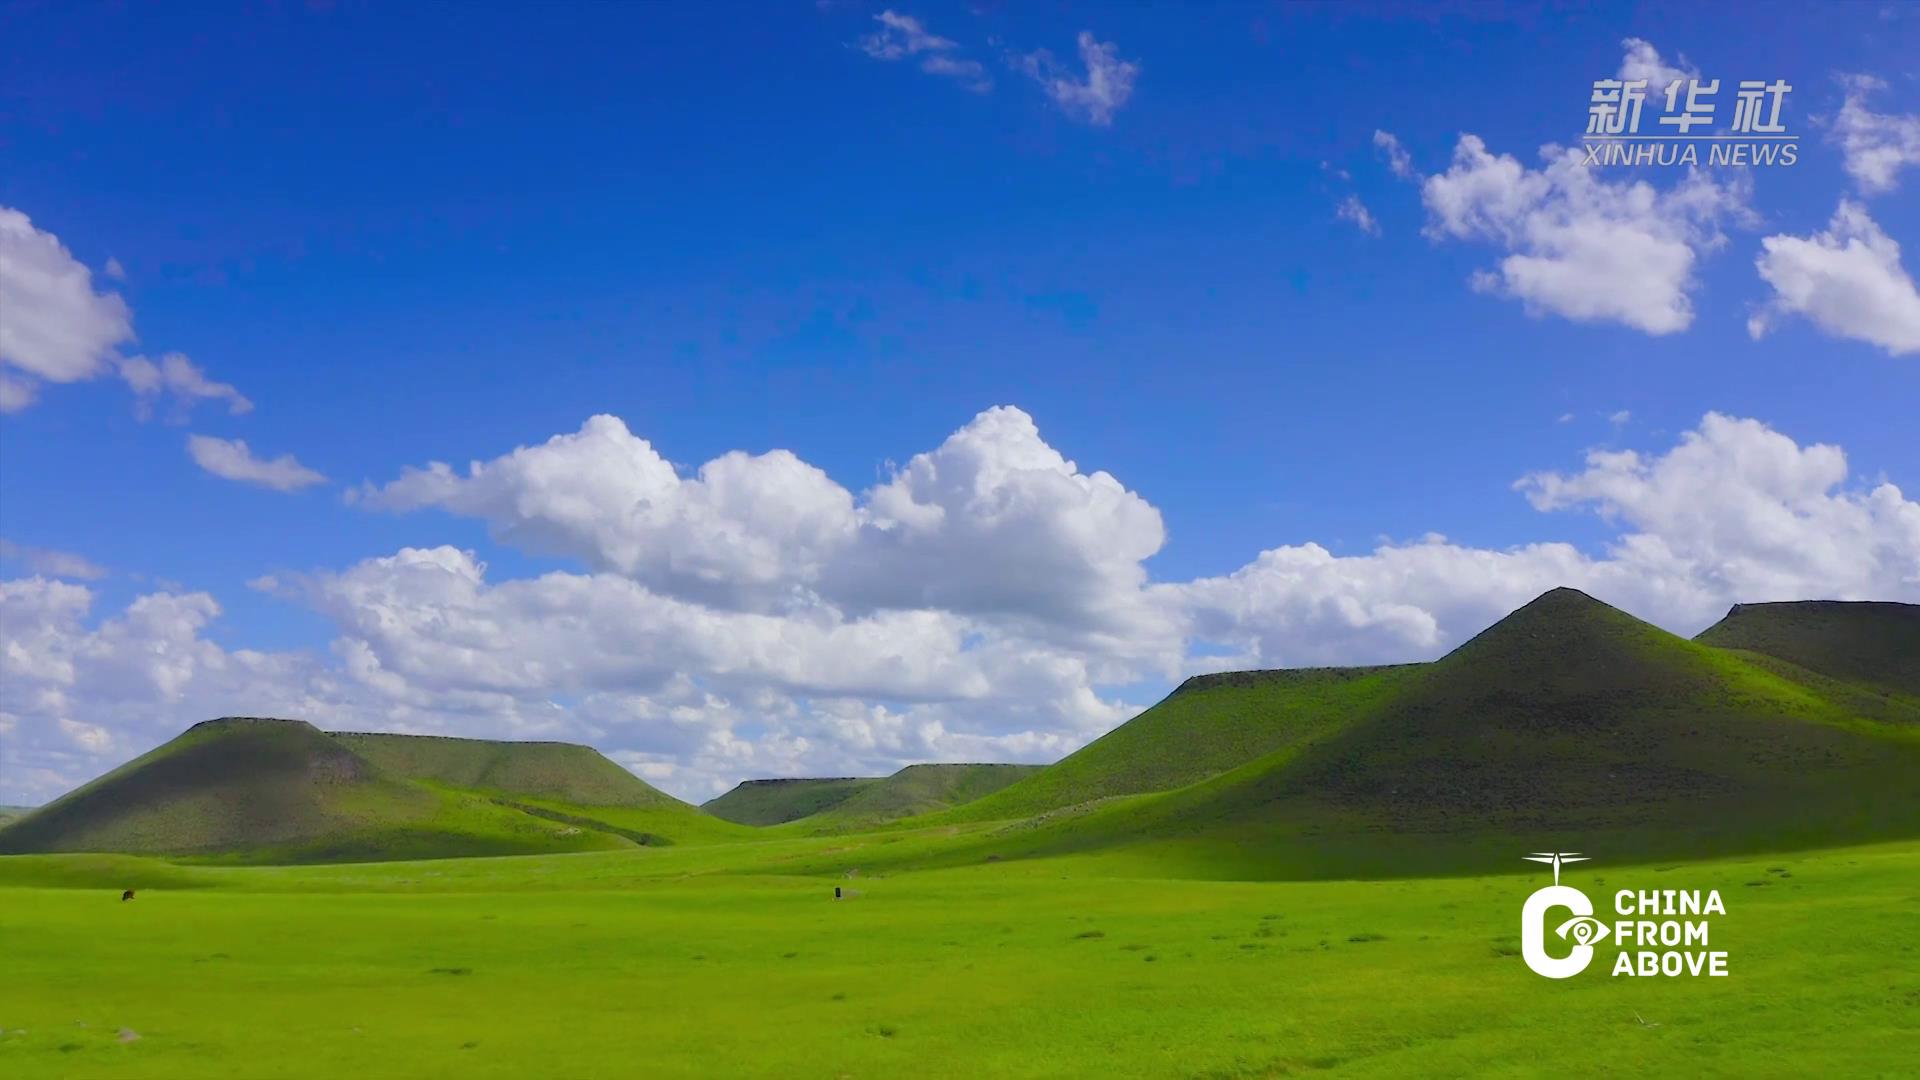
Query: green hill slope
(563, 783)
(277, 790)
(254, 790)
(1210, 724)
(563, 772)
(775, 802)
(920, 789)
(1870, 643)
(1567, 726)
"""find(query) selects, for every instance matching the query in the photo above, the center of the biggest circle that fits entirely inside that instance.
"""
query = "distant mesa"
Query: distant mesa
(841, 802)
(270, 790)
(776, 802)
(1568, 724)
(1867, 642)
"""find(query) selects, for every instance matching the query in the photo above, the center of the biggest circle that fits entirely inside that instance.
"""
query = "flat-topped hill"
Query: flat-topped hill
(544, 770)
(271, 790)
(923, 789)
(1568, 725)
(1862, 642)
(775, 802)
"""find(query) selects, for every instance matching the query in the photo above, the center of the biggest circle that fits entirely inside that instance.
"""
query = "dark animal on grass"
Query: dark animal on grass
(126, 896)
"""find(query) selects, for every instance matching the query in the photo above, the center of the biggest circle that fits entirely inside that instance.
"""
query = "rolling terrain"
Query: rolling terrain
(1867, 643)
(1568, 723)
(562, 772)
(1266, 874)
(1210, 724)
(844, 803)
(776, 802)
(917, 790)
(266, 790)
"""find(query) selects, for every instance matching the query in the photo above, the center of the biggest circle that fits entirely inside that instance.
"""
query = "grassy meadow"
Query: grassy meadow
(720, 961)
(1267, 874)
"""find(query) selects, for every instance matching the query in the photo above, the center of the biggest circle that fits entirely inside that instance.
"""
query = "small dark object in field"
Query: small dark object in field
(126, 896)
(836, 892)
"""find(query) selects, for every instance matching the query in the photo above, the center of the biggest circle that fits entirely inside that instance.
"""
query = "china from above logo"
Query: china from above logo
(1668, 946)
(1755, 136)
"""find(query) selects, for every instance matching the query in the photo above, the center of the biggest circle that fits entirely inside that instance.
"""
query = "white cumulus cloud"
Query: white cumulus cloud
(1580, 246)
(1846, 279)
(53, 326)
(56, 328)
(988, 600)
(994, 521)
(1643, 61)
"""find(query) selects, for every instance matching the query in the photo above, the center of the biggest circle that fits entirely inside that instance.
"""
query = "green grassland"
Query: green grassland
(1266, 874)
(696, 961)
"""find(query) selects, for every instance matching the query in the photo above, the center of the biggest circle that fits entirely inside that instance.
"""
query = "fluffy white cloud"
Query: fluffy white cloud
(1580, 246)
(1847, 279)
(1643, 61)
(1097, 95)
(1736, 512)
(903, 37)
(993, 522)
(987, 601)
(746, 529)
(230, 459)
(1877, 145)
(177, 377)
(997, 522)
(1352, 209)
(54, 328)
(700, 697)
(1740, 510)
(52, 563)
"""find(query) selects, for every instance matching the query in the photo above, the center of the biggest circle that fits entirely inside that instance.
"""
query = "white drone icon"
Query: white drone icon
(1555, 859)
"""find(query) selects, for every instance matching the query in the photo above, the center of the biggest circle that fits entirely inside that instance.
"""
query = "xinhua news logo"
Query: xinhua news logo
(1754, 136)
(1657, 932)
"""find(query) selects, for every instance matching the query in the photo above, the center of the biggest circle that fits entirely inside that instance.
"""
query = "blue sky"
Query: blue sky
(409, 237)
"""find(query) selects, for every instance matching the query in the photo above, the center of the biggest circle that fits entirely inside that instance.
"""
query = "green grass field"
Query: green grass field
(716, 961)
(1266, 874)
